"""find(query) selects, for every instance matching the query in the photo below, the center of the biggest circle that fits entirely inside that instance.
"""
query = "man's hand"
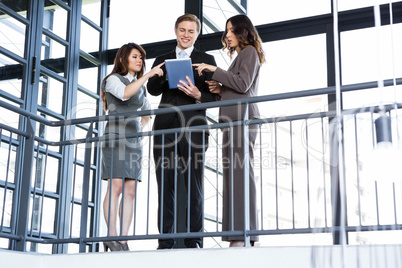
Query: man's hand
(189, 89)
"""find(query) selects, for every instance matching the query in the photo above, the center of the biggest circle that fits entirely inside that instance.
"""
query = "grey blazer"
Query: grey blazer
(239, 81)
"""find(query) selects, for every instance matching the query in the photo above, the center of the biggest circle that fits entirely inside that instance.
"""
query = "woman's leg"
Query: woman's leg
(112, 196)
(127, 204)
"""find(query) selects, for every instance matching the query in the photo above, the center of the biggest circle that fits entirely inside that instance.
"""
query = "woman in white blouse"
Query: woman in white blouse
(123, 91)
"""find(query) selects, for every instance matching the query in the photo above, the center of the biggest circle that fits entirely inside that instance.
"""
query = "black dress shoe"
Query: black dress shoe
(194, 245)
(164, 247)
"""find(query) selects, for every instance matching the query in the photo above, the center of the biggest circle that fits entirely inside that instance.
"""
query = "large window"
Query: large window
(369, 55)
(276, 11)
(142, 21)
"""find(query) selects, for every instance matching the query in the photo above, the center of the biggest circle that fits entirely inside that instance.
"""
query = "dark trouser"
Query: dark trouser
(171, 156)
(233, 182)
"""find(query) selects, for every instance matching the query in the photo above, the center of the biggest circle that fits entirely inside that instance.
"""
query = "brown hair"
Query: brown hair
(188, 17)
(246, 34)
(121, 65)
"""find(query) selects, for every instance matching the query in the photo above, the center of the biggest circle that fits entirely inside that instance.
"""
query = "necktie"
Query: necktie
(182, 54)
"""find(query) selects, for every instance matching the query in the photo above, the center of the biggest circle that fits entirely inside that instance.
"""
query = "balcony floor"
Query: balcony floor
(318, 256)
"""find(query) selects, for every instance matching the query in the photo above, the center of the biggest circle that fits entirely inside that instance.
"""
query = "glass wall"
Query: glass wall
(13, 67)
(142, 22)
(276, 11)
(53, 70)
(369, 55)
(57, 76)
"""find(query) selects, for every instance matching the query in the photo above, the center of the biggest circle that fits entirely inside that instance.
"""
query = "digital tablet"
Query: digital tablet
(178, 69)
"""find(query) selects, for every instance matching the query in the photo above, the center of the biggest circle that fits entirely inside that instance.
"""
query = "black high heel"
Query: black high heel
(124, 246)
(113, 246)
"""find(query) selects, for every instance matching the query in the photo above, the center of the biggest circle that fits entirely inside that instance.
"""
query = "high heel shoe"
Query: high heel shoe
(112, 245)
(124, 246)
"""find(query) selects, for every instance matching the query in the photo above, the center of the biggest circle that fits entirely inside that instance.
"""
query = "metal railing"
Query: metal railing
(296, 166)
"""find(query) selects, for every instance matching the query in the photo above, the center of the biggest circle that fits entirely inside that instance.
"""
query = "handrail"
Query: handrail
(263, 98)
(83, 239)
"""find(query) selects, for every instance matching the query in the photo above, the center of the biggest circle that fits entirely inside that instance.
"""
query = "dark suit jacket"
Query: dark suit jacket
(175, 97)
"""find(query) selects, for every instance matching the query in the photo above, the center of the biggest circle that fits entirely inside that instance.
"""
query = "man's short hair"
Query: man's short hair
(188, 17)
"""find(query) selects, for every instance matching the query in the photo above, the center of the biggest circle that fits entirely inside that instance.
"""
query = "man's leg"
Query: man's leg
(194, 178)
(164, 167)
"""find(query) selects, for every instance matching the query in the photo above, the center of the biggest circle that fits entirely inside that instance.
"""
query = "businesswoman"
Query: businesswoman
(123, 91)
(239, 81)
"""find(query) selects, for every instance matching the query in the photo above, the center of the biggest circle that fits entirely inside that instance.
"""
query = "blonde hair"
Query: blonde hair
(188, 17)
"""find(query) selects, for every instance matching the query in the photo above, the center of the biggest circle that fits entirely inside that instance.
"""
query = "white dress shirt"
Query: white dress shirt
(187, 50)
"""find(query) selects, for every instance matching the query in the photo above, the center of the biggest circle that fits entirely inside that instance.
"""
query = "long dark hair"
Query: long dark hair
(246, 34)
(121, 65)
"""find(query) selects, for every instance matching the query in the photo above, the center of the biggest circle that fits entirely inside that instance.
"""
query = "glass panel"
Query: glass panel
(89, 41)
(52, 174)
(75, 220)
(86, 105)
(43, 217)
(369, 54)
(53, 55)
(55, 19)
(372, 97)
(275, 11)
(47, 132)
(6, 208)
(88, 75)
(7, 159)
(92, 10)
(293, 65)
(48, 218)
(79, 183)
(47, 172)
(134, 31)
(8, 117)
(12, 35)
(10, 76)
(347, 4)
(81, 134)
(50, 2)
(217, 13)
(50, 93)
(20, 6)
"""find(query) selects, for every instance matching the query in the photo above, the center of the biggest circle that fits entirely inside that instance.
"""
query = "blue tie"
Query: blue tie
(182, 54)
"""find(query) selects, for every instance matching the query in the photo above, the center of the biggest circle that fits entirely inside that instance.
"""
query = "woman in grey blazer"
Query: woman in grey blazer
(239, 81)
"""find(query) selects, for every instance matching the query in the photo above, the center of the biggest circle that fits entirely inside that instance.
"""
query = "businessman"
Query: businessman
(183, 152)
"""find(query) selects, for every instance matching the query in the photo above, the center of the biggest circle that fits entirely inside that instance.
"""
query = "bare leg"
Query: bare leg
(128, 207)
(112, 196)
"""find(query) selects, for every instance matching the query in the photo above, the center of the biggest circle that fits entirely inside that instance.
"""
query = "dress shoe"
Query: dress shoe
(164, 247)
(194, 245)
(112, 245)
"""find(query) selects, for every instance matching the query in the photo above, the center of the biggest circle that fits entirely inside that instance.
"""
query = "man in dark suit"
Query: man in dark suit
(183, 152)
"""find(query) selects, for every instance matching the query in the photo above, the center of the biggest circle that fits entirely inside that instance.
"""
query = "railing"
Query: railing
(301, 189)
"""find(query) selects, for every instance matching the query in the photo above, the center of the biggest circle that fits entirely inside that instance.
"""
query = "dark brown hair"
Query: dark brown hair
(121, 65)
(246, 34)
(188, 17)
